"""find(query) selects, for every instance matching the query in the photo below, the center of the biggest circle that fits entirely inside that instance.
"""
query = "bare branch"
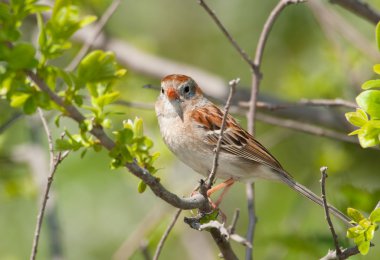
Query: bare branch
(240, 50)
(252, 219)
(257, 76)
(166, 234)
(359, 8)
(54, 163)
(337, 102)
(212, 174)
(306, 128)
(327, 213)
(256, 79)
(346, 253)
(97, 30)
(220, 235)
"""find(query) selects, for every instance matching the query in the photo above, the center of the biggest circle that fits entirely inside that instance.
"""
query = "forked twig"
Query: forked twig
(54, 162)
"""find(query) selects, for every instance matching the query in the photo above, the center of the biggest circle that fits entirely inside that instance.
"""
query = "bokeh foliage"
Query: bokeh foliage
(99, 208)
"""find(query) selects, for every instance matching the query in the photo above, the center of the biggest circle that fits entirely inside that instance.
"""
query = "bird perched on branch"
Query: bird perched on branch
(190, 125)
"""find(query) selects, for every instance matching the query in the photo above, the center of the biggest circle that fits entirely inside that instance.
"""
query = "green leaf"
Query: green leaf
(369, 134)
(141, 187)
(374, 83)
(138, 127)
(378, 35)
(107, 123)
(355, 215)
(63, 145)
(369, 101)
(353, 232)
(358, 118)
(356, 132)
(364, 247)
(106, 99)
(209, 217)
(124, 136)
(370, 232)
(30, 105)
(375, 215)
(99, 66)
(376, 68)
(18, 100)
(87, 20)
(22, 56)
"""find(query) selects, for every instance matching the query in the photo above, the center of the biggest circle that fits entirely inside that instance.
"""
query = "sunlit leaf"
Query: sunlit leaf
(375, 215)
(99, 66)
(376, 68)
(375, 83)
(369, 101)
(364, 247)
(18, 100)
(358, 118)
(355, 215)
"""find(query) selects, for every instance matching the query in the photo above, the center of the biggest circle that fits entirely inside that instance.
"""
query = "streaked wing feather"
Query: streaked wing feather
(236, 140)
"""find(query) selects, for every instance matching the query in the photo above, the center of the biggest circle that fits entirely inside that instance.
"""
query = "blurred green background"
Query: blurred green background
(97, 213)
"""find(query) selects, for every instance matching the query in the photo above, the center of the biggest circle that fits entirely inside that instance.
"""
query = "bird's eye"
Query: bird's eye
(162, 91)
(186, 89)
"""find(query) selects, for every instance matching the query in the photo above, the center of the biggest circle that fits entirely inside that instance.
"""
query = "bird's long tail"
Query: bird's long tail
(313, 197)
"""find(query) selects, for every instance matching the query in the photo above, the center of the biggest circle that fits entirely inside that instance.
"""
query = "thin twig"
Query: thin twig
(10, 121)
(359, 8)
(239, 49)
(256, 79)
(49, 137)
(97, 30)
(212, 174)
(252, 219)
(54, 162)
(166, 234)
(257, 75)
(327, 213)
(232, 227)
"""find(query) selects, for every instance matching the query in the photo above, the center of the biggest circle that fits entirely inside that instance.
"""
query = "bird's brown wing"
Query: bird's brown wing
(235, 140)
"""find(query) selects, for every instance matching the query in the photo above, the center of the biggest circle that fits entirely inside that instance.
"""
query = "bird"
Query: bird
(190, 125)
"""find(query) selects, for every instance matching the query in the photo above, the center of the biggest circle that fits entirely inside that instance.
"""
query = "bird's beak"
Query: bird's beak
(174, 99)
(172, 94)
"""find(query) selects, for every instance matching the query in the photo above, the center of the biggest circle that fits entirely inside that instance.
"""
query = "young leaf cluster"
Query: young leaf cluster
(367, 117)
(363, 231)
(89, 87)
(131, 144)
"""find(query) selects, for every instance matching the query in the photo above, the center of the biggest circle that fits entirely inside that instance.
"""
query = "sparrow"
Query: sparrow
(190, 126)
